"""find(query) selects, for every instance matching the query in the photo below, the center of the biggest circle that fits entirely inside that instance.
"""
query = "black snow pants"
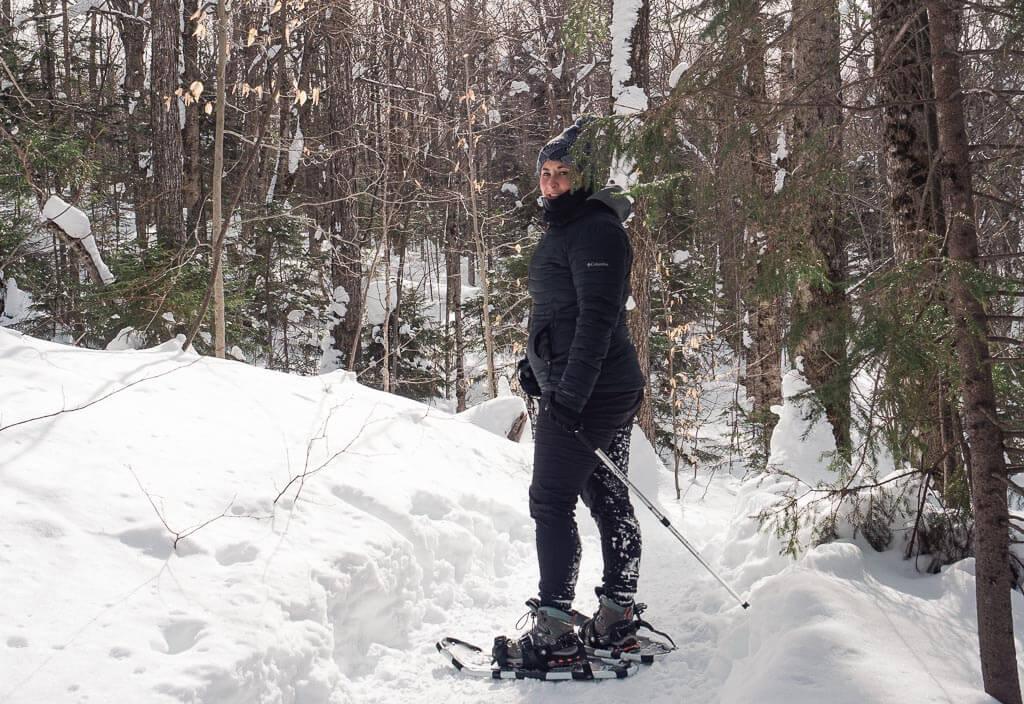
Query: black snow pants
(564, 470)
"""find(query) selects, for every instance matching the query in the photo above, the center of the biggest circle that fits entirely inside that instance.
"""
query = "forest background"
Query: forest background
(310, 186)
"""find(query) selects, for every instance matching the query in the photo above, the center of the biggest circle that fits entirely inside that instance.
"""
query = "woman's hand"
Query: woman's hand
(565, 418)
(527, 379)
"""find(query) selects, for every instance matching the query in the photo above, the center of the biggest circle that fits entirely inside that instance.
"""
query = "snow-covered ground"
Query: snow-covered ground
(329, 534)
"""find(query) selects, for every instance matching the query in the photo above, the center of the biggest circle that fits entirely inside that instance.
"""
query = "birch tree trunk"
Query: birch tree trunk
(985, 437)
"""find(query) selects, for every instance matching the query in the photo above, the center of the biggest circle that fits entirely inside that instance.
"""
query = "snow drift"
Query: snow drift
(175, 528)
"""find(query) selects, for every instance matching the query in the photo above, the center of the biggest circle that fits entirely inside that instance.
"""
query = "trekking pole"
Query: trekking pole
(614, 469)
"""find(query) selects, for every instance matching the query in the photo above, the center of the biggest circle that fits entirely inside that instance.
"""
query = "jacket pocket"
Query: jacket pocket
(540, 343)
(560, 334)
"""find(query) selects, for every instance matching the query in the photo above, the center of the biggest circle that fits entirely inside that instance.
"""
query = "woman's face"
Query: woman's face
(555, 179)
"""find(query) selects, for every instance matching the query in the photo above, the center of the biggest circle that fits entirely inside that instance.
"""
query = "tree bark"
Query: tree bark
(192, 181)
(823, 312)
(166, 128)
(346, 257)
(642, 240)
(481, 256)
(453, 306)
(985, 437)
(916, 218)
(217, 228)
(134, 102)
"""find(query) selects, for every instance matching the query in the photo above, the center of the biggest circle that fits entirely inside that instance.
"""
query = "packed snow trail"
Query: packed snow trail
(329, 534)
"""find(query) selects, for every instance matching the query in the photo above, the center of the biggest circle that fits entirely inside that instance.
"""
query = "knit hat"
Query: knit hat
(558, 149)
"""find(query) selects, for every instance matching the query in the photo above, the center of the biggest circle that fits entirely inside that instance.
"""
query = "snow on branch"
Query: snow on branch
(629, 99)
(73, 223)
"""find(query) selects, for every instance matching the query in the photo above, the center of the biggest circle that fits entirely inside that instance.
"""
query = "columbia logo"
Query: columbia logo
(590, 264)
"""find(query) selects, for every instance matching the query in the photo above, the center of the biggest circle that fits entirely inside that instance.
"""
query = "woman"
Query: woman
(582, 363)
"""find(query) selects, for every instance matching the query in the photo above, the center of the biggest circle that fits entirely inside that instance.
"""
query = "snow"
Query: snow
(510, 188)
(677, 73)
(17, 306)
(631, 100)
(586, 70)
(76, 224)
(680, 256)
(799, 448)
(127, 339)
(780, 153)
(332, 359)
(330, 534)
(496, 415)
(557, 70)
(517, 87)
(628, 99)
(67, 217)
(295, 150)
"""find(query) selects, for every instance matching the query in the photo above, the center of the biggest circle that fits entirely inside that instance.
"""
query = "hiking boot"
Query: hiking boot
(550, 643)
(612, 627)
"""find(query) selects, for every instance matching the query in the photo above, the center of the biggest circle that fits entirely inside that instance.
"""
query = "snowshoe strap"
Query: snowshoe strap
(643, 624)
(500, 651)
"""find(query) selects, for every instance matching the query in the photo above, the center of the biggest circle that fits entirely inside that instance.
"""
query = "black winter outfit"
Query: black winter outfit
(581, 355)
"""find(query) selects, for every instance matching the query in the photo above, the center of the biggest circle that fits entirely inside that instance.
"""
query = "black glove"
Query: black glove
(527, 380)
(565, 418)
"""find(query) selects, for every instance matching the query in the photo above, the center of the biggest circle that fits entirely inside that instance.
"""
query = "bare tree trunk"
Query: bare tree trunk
(192, 180)
(985, 437)
(481, 256)
(823, 312)
(346, 257)
(217, 179)
(134, 102)
(903, 65)
(454, 308)
(166, 128)
(396, 319)
(762, 370)
(641, 239)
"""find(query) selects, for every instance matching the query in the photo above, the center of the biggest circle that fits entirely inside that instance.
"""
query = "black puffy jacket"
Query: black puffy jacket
(579, 283)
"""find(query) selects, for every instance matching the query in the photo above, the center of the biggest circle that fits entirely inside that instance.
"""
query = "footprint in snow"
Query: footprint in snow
(17, 642)
(181, 635)
(237, 552)
(157, 542)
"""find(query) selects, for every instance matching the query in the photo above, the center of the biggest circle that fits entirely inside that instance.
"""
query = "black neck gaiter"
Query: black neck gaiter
(566, 207)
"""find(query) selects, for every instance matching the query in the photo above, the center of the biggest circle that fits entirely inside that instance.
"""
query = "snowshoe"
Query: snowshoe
(471, 660)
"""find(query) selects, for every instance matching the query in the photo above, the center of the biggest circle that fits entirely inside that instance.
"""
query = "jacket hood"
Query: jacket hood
(615, 200)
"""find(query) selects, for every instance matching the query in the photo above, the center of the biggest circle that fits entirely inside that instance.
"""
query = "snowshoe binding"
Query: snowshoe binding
(550, 643)
(612, 634)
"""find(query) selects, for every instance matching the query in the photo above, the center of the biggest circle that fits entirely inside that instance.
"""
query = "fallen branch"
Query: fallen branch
(97, 400)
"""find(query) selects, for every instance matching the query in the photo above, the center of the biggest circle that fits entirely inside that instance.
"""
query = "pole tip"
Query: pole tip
(746, 604)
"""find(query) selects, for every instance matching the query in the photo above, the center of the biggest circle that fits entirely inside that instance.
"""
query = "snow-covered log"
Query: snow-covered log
(72, 226)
